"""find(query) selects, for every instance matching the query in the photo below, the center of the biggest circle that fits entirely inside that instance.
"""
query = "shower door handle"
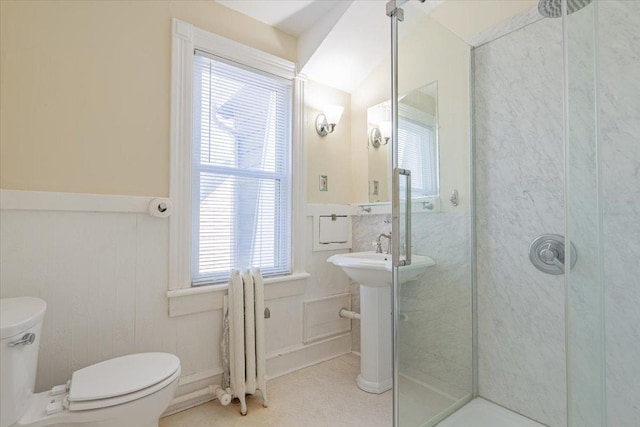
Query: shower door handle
(407, 216)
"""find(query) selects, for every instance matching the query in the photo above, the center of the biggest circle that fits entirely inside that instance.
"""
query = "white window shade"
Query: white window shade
(241, 170)
(417, 151)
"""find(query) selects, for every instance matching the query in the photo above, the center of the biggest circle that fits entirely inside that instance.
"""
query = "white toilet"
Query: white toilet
(128, 391)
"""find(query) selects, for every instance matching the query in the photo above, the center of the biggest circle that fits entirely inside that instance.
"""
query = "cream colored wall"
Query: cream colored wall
(466, 18)
(85, 90)
(429, 53)
(422, 102)
(360, 101)
(329, 155)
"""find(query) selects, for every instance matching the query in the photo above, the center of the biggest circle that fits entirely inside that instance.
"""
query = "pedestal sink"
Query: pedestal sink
(373, 272)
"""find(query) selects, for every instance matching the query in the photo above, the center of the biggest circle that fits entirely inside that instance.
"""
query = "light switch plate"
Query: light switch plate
(375, 188)
(323, 183)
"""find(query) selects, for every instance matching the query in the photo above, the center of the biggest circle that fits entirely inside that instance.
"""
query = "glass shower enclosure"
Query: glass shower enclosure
(536, 133)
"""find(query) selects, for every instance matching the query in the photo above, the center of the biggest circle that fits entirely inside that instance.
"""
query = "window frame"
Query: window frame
(187, 38)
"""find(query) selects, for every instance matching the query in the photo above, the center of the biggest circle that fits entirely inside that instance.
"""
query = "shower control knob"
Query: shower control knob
(548, 254)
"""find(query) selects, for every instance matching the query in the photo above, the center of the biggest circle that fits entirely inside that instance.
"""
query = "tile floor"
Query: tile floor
(321, 395)
(326, 395)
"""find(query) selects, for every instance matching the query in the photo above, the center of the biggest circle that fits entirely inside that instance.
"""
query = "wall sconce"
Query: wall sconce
(326, 122)
(380, 135)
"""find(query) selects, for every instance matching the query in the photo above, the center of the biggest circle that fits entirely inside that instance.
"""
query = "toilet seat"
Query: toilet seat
(120, 380)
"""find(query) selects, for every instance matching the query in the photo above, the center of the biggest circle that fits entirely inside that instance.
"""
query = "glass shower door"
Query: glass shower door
(584, 285)
(602, 84)
(432, 289)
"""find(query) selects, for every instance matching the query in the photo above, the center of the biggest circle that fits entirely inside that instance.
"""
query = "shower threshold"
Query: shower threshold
(482, 413)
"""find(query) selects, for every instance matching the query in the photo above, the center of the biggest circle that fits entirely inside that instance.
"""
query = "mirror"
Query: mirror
(417, 144)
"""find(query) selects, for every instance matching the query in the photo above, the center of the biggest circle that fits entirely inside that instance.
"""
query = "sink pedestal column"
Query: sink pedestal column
(375, 339)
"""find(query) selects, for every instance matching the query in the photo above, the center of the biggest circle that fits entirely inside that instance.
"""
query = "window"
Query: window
(236, 127)
(241, 170)
(417, 152)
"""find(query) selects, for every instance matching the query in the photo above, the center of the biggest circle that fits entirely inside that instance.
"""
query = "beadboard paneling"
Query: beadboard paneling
(104, 276)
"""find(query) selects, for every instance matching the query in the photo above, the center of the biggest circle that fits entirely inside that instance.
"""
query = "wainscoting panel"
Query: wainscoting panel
(104, 276)
(322, 319)
(84, 267)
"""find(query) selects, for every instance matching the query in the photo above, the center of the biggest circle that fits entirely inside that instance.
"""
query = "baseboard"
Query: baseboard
(278, 364)
(179, 407)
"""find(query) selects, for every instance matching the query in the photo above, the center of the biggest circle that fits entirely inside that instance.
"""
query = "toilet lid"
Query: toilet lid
(121, 376)
(84, 405)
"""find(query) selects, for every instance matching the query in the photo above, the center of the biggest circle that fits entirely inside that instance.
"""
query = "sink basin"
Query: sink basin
(373, 269)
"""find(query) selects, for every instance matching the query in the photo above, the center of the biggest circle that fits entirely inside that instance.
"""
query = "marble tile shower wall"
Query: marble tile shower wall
(619, 120)
(435, 335)
(518, 101)
(519, 195)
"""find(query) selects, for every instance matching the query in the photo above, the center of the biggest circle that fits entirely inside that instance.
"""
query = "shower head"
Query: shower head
(553, 8)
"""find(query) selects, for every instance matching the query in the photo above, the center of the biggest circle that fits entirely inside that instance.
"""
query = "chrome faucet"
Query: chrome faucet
(379, 243)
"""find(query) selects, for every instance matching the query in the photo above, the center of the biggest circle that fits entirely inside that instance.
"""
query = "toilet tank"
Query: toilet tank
(19, 318)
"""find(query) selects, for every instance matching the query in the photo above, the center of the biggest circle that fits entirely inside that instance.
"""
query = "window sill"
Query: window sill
(205, 298)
